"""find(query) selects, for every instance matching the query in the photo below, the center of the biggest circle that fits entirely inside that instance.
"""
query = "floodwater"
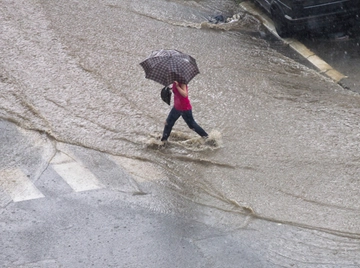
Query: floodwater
(286, 139)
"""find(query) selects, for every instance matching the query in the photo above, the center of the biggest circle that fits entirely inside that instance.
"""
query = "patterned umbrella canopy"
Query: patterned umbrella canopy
(166, 66)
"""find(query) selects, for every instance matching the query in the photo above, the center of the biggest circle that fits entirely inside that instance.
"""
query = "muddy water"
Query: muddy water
(286, 138)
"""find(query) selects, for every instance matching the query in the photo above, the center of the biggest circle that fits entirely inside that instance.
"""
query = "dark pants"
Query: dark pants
(189, 119)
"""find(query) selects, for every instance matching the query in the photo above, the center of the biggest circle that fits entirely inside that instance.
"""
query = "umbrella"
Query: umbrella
(168, 65)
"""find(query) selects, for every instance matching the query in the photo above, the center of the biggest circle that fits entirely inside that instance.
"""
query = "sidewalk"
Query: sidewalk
(297, 46)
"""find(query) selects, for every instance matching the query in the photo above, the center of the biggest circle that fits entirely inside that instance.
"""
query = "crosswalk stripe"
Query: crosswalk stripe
(140, 170)
(16, 184)
(77, 176)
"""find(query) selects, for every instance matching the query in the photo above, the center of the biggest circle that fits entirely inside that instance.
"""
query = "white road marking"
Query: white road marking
(20, 188)
(140, 170)
(77, 176)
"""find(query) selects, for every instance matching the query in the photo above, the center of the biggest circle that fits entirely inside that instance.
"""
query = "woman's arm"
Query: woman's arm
(182, 89)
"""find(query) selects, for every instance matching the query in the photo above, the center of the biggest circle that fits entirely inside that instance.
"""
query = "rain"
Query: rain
(285, 157)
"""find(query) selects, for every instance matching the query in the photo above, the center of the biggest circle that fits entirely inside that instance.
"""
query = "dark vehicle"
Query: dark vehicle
(295, 16)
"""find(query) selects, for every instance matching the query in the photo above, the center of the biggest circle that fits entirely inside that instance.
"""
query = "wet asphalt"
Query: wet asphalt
(106, 228)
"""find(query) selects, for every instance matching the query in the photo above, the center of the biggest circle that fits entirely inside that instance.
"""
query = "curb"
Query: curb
(321, 65)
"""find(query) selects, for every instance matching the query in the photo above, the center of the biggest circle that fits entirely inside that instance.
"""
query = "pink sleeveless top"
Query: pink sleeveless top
(180, 103)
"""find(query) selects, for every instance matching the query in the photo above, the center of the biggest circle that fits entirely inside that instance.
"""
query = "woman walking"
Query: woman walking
(182, 107)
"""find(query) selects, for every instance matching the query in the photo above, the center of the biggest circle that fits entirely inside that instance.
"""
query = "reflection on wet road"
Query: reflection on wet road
(290, 137)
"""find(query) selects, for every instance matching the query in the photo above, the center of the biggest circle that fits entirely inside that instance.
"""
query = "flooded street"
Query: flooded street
(287, 138)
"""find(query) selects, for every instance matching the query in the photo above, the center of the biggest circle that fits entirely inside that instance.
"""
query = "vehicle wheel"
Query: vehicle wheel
(281, 27)
(282, 30)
